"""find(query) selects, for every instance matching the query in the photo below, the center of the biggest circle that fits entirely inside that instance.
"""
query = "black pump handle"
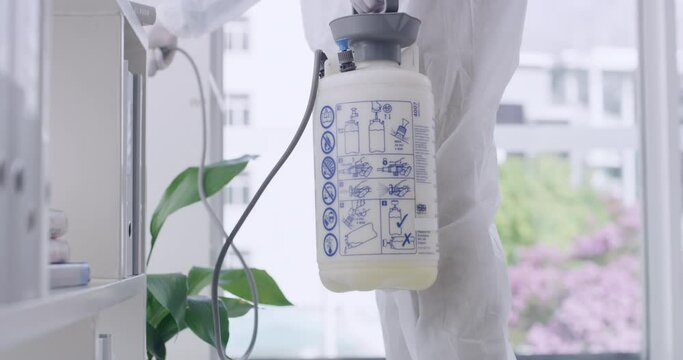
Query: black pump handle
(391, 7)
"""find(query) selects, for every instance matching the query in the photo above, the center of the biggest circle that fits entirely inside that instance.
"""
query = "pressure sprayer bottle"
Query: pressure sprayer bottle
(376, 203)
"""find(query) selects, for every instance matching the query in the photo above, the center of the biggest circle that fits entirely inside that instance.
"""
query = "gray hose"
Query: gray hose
(214, 216)
(317, 67)
(320, 58)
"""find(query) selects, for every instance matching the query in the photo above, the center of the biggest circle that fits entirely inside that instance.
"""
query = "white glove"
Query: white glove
(369, 6)
(161, 43)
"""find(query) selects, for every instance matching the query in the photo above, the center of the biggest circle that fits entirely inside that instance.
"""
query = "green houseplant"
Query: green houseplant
(174, 301)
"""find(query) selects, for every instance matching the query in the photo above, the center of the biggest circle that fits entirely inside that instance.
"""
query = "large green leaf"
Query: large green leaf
(235, 282)
(157, 336)
(199, 319)
(155, 311)
(197, 279)
(167, 328)
(269, 293)
(236, 307)
(155, 344)
(183, 190)
(170, 291)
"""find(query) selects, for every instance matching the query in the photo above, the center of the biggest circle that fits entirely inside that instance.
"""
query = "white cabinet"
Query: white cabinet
(98, 50)
(89, 58)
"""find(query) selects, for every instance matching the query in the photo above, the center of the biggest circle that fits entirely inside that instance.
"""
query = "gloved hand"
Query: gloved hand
(160, 55)
(369, 6)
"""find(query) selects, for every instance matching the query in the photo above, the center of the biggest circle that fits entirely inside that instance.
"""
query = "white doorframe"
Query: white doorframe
(661, 159)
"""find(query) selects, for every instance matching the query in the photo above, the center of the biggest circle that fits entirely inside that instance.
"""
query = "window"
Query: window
(238, 110)
(236, 35)
(570, 213)
(238, 191)
(569, 86)
(510, 114)
(571, 197)
(558, 79)
(617, 92)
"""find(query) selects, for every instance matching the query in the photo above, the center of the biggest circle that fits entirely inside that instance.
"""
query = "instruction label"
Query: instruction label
(376, 159)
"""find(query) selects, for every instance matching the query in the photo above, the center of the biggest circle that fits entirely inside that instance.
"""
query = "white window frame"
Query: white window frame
(238, 109)
(661, 156)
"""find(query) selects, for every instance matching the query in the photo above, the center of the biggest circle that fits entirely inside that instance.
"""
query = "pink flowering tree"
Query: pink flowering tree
(584, 298)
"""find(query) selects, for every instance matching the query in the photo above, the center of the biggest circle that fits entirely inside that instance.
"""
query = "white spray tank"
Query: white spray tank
(376, 202)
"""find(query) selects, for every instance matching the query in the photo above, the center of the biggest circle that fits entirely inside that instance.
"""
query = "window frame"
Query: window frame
(661, 156)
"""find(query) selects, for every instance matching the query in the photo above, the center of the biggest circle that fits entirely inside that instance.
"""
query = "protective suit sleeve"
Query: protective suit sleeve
(469, 50)
(190, 18)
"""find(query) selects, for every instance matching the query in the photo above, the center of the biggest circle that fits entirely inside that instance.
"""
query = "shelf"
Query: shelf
(90, 8)
(30, 319)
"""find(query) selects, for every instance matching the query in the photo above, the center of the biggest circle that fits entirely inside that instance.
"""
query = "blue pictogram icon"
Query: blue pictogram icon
(328, 167)
(359, 191)
(399, 189)
(330, 245)
(326, 117)
(397, 168)
(329, 193)
(329, 218)
(327, 142)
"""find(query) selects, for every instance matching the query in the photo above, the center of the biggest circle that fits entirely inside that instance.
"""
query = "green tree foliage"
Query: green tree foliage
(540, 204)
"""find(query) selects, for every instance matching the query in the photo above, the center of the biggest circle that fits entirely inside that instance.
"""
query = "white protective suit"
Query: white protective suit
(469, 50)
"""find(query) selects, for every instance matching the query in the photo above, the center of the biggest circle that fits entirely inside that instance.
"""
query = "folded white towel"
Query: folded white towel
(69, 274)
(59, 250)
(58, 223)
